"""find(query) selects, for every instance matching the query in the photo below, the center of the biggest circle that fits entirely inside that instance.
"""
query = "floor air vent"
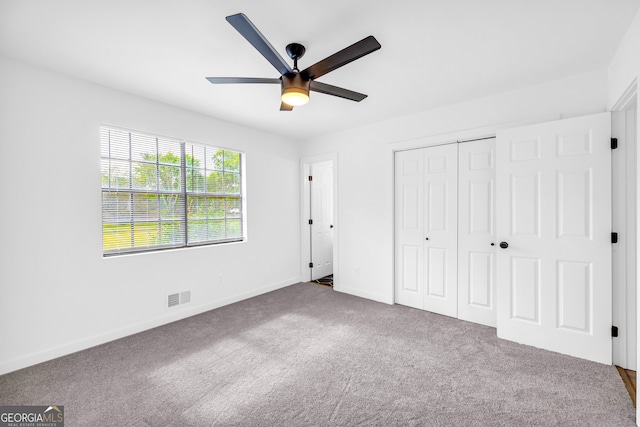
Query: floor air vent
(177, 299)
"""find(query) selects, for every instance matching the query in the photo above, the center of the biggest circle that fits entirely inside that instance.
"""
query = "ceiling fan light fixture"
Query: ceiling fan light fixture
(295, 89)
(296, 84)
(295, 96)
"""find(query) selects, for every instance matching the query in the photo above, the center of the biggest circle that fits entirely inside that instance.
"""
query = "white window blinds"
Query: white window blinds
(160, 193)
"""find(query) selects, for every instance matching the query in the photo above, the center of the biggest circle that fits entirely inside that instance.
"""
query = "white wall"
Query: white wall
(57, 293)
(365, 166)
(624, 68)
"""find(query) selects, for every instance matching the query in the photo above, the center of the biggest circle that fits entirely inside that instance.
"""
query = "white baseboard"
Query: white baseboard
(364, 294)
(83, 344)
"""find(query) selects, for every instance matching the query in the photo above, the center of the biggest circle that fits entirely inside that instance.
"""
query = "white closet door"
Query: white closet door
(554, 212)
(408, 228)
(440, 254)
(476, 232)
(322, 216)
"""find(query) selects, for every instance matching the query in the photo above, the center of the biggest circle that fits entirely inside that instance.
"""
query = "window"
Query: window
(160, 193)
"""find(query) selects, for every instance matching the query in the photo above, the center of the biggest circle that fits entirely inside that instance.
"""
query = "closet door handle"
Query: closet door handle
(504, 245)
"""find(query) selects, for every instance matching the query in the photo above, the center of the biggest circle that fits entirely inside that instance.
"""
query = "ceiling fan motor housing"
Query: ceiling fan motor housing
(294, 82)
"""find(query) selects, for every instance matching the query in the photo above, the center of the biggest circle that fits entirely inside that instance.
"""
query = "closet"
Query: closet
(512, 232)
(445, 230)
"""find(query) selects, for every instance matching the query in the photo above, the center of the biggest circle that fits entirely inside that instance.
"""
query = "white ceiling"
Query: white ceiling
(434, 52)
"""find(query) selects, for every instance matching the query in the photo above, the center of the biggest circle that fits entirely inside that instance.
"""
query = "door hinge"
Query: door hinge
(614, 331)
(310, 178)
(614, 143)
(614, 237)
(310, 265)
(310, 222)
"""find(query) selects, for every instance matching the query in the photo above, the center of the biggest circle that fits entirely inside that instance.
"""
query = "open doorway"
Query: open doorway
(319, 219)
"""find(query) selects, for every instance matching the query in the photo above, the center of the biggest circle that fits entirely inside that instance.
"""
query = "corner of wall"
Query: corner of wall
(624, 67)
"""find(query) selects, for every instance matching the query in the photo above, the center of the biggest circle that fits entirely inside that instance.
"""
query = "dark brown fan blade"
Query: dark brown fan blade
(338, 59)
(230, 80)
(336, 91)
(249, 31)
(286, 107)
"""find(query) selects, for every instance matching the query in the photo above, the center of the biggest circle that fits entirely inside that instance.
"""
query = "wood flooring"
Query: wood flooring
(629, 378)
(324, 281)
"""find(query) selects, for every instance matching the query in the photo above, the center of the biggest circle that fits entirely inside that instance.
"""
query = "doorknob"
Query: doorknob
(504, 245)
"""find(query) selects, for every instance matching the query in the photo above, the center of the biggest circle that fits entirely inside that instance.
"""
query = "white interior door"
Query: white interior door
(409, 246)
(554, 211)
(426, 184)
(440, 255)
(476, 232)
(322, 217)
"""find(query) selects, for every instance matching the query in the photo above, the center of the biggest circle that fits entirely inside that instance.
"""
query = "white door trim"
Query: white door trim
(305, 240)
(629, 96)
(624, 212)
(624, 305)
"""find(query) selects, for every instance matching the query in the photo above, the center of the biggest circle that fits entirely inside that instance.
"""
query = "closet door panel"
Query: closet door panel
(409, 196)
(476, 232)
(440, 242)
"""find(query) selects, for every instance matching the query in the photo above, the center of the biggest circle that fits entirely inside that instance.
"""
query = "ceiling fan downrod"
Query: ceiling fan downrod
(295, 52)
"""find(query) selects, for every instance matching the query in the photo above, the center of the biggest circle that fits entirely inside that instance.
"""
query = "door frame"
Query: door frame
(305, 197)
(625, 256)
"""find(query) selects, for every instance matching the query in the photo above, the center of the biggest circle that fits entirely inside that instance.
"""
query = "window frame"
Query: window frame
(182, 218)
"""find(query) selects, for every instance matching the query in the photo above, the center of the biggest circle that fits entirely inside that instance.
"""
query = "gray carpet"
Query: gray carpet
(306, 355)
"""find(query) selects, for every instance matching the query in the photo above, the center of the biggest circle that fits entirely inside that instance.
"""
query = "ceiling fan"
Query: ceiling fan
(296, 84)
